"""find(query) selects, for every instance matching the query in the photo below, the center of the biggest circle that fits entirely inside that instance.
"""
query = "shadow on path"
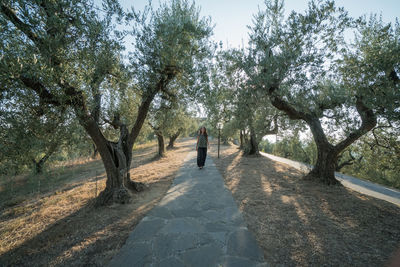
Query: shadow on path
(197, 223)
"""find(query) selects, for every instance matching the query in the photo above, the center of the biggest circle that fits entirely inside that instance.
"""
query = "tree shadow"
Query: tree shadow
(66, 238)
(87, 236)
(61, 179)
(300, 222)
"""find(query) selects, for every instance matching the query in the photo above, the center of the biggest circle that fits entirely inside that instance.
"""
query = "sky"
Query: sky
(231, 17)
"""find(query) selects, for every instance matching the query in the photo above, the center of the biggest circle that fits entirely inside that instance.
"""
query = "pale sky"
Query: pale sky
(232, 16)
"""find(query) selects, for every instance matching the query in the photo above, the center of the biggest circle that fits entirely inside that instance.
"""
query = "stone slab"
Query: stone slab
(197, 223)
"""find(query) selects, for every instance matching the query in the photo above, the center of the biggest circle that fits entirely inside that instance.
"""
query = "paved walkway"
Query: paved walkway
(362, 186)
(197, 223)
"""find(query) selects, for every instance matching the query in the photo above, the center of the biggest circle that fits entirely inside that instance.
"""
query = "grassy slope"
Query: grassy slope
(59, 226)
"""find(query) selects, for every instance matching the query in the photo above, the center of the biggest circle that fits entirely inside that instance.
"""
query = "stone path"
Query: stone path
(197, 223)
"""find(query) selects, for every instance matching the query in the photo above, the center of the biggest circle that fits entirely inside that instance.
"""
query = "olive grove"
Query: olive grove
(68, 79)
(64, 50)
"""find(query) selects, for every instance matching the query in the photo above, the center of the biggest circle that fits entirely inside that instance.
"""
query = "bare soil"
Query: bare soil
(62, 228)
(303, 223)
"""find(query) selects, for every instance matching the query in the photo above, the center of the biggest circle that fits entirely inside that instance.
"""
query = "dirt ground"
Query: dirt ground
(62, 228)
(301, 223)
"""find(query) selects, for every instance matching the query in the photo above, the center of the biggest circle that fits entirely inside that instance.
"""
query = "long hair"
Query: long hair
(205, 131)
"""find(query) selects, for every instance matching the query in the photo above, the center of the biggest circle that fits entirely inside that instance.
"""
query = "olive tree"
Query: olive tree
(45, 46)
(218, 94)
(233, 98)
(158, 121)
(29, 140)
(253, 111)
(180, 120)
(297, 60)
(168, 118)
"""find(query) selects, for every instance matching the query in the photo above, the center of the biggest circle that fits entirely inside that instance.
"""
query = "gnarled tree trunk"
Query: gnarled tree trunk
(241, 140)
(252, 144)
(115, 158)
(172, 139)
(40, 163)
(324, 169)
(161, 144)
(95, 152)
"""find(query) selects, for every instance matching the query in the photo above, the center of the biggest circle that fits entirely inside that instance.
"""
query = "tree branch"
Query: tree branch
(167, 75)
(283, 105)
(348, 162)
(368, 119)
(46, 97)
(393, 76)
(275, 129)
(25, 28)
(376, 139)
(168, 95)
(116, 122)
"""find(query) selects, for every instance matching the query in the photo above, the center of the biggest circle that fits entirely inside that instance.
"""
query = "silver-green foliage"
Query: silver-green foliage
(168, 41)
(341, 90)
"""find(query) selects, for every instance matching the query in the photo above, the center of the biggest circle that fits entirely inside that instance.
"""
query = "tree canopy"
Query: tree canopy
(65, 72)
(63, 51)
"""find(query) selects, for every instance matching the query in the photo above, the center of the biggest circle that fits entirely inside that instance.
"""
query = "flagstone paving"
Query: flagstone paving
(197, 223)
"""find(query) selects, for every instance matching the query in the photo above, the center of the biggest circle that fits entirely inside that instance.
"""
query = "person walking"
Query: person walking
(201, 147)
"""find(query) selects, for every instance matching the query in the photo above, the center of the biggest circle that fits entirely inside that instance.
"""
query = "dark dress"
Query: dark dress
(202, 150)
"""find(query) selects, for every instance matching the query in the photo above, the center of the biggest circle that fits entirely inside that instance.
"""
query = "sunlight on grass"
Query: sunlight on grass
(59, 224)
(305, 223)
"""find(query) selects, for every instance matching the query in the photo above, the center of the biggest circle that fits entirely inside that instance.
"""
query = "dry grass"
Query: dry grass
(16, 189)
(61, 227)
(300, 223)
